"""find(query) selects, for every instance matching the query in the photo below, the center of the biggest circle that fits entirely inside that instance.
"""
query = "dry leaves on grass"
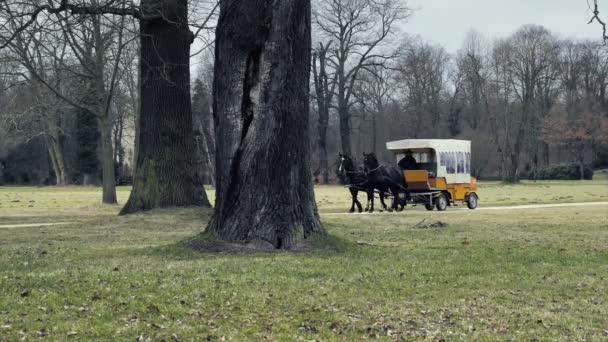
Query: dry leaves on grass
(436, 224)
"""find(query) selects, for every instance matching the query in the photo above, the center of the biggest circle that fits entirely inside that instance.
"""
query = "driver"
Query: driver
(408, 162)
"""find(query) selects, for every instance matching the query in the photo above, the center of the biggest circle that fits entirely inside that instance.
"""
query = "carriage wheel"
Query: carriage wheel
(472, 201)
(429, 207)
(441, 202)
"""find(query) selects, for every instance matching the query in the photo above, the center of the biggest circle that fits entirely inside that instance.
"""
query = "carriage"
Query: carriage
(442, 176)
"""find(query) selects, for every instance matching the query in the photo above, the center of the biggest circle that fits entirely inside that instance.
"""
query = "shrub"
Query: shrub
(564, 172)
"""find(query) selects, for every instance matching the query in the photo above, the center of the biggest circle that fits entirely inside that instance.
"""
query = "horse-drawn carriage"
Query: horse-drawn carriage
(432, 172)
(442, 175)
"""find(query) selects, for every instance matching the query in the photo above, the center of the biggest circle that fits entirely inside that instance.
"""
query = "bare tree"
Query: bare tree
(472, 64)
(576, 134)
(533, 53)
(376, 89)
(422, 75)
(362, 32)
(520, 65)
(202, 111)
(165, 172)
(596, 17)
(594, 77)
(324, 94)
(89, 43)
(165, 175)
(42, 114)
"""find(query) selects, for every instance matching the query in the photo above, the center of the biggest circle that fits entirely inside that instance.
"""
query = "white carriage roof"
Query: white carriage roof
(443, 145)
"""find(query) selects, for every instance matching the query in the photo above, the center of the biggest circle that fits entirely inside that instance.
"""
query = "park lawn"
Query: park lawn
(36, 204)
(512, 274)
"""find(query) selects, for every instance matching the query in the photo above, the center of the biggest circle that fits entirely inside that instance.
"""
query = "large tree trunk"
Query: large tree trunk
(165, 174)
(264, 185)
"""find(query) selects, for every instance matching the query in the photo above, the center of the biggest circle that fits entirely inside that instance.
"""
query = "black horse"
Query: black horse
(356, 180)
(385, 178)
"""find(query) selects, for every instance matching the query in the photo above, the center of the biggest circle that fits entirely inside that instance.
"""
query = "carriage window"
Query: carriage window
(452, 159)
(468, 163)
(448, 163)
(422, 156)
(460, 162)
(442, 159)
(451, 162)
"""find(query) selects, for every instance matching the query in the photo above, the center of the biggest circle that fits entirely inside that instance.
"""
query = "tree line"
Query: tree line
(526, 101)
(70, 95)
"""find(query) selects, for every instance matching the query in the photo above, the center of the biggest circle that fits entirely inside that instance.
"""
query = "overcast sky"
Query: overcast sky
(446, 22)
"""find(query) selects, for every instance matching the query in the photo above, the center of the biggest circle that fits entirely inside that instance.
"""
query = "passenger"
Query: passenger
(408, 162)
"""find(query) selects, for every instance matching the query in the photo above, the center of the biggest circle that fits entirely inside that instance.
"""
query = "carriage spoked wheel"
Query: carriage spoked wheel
(441, 202)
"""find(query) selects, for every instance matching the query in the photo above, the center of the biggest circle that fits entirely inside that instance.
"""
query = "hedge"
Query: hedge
(564, 172)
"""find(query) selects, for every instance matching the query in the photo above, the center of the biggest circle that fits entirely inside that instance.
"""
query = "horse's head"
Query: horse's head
(345, 166)
(370, 162)
(346, 163)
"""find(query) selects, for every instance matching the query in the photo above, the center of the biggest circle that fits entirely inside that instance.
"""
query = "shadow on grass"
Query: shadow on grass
(205, 245)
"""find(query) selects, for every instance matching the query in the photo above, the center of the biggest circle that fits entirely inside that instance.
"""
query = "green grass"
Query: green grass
(489, 275)
(28, 203)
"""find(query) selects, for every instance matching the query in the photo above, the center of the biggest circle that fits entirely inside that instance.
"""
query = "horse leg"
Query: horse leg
(382, 200)
(395, 192)
(370, 199)
(359, 207)
(353, 194)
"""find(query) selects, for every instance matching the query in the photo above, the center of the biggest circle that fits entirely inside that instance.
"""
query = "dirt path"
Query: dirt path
(512, 207)
(29, 225)
(460, 208)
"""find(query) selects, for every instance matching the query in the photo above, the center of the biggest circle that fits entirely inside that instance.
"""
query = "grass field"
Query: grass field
(488, 275)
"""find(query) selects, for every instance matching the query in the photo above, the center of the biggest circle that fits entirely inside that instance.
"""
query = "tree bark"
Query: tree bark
(344, 114)
(264, 193)
(324, 98)
(108, 179)
(87, 139)
(209, 148)
(581, 164)
(62, 178)
(118, 153)
(55, 151)
(56, 163)
(203, 133)
(165, 174)
(323, 162)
